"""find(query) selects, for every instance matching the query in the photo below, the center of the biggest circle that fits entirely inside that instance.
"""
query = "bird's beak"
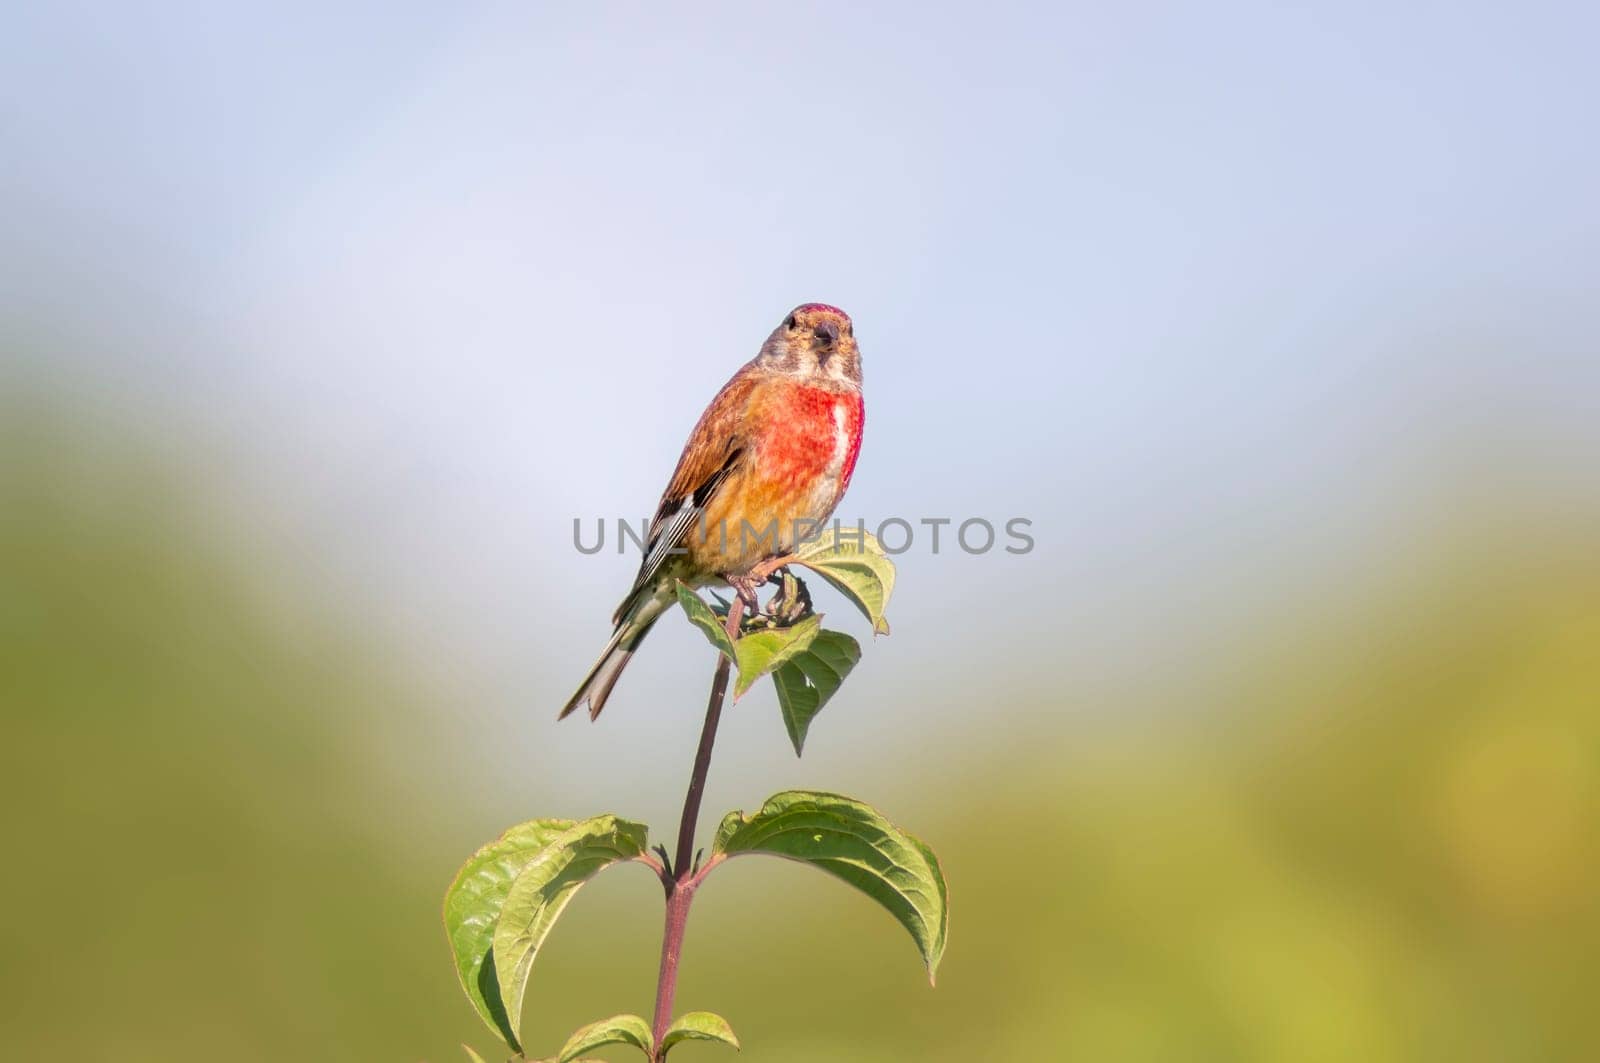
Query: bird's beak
(827, 335)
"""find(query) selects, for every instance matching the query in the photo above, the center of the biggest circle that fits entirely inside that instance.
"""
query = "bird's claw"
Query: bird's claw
(746, 589)
(792, 603)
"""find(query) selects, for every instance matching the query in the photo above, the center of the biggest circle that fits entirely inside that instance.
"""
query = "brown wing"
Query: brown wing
(715, 448)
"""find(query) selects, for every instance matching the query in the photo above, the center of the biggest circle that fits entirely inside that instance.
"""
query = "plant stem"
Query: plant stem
(683, 881)
(671, 951)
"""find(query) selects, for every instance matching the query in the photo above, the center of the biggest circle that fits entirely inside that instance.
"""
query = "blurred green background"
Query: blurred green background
(319, 328)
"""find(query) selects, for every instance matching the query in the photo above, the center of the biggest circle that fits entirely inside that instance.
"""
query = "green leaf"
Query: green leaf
(617, 1030)
(857, 566)
(472, 1055)
(699, 1026)
(759, 652)
(810, 678)
(755, 653)
(541, 892)
(701, 616)
(851, 841)
(472, 908)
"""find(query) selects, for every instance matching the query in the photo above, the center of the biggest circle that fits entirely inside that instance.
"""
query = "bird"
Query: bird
(764, 467)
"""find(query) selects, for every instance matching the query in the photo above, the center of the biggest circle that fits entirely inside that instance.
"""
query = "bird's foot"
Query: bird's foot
(745, 588)
(792, 603)
(768, 568)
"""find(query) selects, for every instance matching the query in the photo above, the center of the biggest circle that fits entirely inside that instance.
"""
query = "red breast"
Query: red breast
(815, 434)
(804, 441)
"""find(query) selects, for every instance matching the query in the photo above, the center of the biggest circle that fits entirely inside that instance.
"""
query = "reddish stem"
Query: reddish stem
(682, 879)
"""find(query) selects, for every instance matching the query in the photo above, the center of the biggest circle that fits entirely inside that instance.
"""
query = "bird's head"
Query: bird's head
(816, 342)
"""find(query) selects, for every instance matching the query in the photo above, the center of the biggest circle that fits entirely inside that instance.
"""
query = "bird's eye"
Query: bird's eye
(788, 322)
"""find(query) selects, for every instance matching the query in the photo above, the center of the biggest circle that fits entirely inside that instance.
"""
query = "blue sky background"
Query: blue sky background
(1210, 294)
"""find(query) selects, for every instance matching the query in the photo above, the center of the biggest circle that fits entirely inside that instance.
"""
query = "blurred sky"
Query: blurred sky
(1194, 289)
(1191, 288)
(1220, 297)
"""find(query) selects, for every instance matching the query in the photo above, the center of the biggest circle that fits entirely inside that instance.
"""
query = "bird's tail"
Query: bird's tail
(631, 630)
